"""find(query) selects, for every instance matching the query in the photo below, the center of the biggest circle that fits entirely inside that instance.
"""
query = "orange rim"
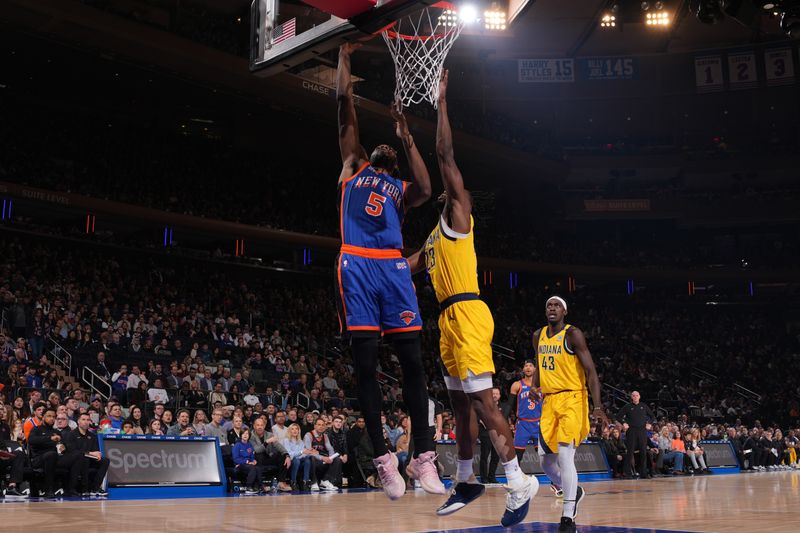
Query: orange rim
(394, 35)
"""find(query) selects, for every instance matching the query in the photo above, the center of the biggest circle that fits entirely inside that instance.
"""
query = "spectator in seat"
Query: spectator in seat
(219, 394)
(138, 395)
(235, 433)
(279, 429)
(154, 427)
(113, 422)
(271, 397)
(244, 458)
(670, 456)
(338, 438)
(135, 377)
(695, 452)
(329, 381)
(234, 397)
(327, 464)
(137, 418)
(299, 456)
(207, 382)
(215, 428)
(183, 428)
(615, 450)
(12, 456)
(251, 398)
(157, 393)
(199, 422)
(100, 367)
(402, 439)
(35, 420)
(167, 419)
(271, 453)
(49, 453)
(85, 442)
(119, 382)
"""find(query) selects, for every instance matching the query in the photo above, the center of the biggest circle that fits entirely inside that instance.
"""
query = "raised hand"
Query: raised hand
(349, 48)
(443, 85)
(400, 124)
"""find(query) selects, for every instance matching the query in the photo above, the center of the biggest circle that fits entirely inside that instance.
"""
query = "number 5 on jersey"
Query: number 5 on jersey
(374, 206)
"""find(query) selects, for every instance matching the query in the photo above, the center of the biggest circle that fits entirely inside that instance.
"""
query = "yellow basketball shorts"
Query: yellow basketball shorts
(565, 419)
(466, 330)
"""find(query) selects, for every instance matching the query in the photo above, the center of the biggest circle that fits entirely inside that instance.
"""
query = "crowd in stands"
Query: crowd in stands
(58, 150)
(185, 351)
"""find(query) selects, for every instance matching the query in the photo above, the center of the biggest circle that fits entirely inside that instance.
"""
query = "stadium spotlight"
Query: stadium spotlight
(608, 20)
(494, 18)
(448, 18)
(468, 13)
(659, 19)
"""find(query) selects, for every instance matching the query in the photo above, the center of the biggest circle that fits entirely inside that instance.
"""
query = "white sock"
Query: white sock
(569, 477)
(463, 470)
(514, 476)
(550, 467)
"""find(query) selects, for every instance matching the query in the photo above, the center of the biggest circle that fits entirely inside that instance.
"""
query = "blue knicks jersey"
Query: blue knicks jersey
(529, 407)
(371, 210)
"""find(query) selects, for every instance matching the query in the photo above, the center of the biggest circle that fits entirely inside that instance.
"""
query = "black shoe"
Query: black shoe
(49, 495)
(461, 495)
(102, 493)
(578, 497)
(567, 525)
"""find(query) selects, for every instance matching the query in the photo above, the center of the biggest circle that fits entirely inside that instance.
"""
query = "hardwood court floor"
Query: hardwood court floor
(724, 503)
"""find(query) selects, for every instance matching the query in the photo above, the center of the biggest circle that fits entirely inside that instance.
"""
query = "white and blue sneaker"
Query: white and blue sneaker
(558, 492)
(518, 501)
(461, 494)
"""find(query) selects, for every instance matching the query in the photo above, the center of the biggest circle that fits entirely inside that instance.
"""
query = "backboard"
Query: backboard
(288, 33)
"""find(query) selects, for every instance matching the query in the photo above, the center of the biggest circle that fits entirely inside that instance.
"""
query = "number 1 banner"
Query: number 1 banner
(708, 74)
(779, 66)
(742, 71)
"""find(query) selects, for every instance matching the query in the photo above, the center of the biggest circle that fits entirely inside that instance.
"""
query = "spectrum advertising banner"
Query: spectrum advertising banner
(164, 461)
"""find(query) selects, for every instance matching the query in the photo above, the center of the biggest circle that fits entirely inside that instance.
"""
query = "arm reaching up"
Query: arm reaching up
(459, 201)
(418, 192)
(353, 154)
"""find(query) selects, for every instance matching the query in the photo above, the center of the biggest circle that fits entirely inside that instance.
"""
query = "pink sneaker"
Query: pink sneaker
(423, 468)
(391, 480)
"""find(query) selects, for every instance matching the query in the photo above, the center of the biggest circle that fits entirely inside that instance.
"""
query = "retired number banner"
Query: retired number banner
(708, 74)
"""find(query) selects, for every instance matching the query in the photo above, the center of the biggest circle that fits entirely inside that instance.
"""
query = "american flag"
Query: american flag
(284, 31)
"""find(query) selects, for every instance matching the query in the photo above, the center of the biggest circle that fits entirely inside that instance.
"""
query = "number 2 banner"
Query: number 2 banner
(779, 66)
(708, 74)
(742, 71)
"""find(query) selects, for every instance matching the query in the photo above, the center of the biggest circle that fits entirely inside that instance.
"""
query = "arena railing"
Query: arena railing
(96, 383)
(61, 356)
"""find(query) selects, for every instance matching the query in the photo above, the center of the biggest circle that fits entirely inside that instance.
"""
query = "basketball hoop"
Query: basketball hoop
(419, 44)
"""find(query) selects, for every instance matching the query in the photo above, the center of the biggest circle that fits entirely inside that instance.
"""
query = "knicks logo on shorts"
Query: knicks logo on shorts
(407, 317)
(401, 265)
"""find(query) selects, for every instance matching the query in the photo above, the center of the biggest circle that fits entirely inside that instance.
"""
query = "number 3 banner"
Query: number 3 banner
(708, 74)
(742, 71)
(779, 66)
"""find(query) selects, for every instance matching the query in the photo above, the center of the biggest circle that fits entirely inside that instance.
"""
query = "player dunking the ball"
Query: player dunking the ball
(376, 293)
(466, 328)
(528, 400)
(565, 367)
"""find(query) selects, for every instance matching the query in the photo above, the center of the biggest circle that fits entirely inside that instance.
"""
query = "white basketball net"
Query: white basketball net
(419, 44)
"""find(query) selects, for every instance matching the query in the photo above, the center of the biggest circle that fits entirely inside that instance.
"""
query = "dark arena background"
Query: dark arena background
(170, 225)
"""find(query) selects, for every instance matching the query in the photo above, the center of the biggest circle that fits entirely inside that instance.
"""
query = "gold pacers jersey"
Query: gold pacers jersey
(451, 261)
(559, 368)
